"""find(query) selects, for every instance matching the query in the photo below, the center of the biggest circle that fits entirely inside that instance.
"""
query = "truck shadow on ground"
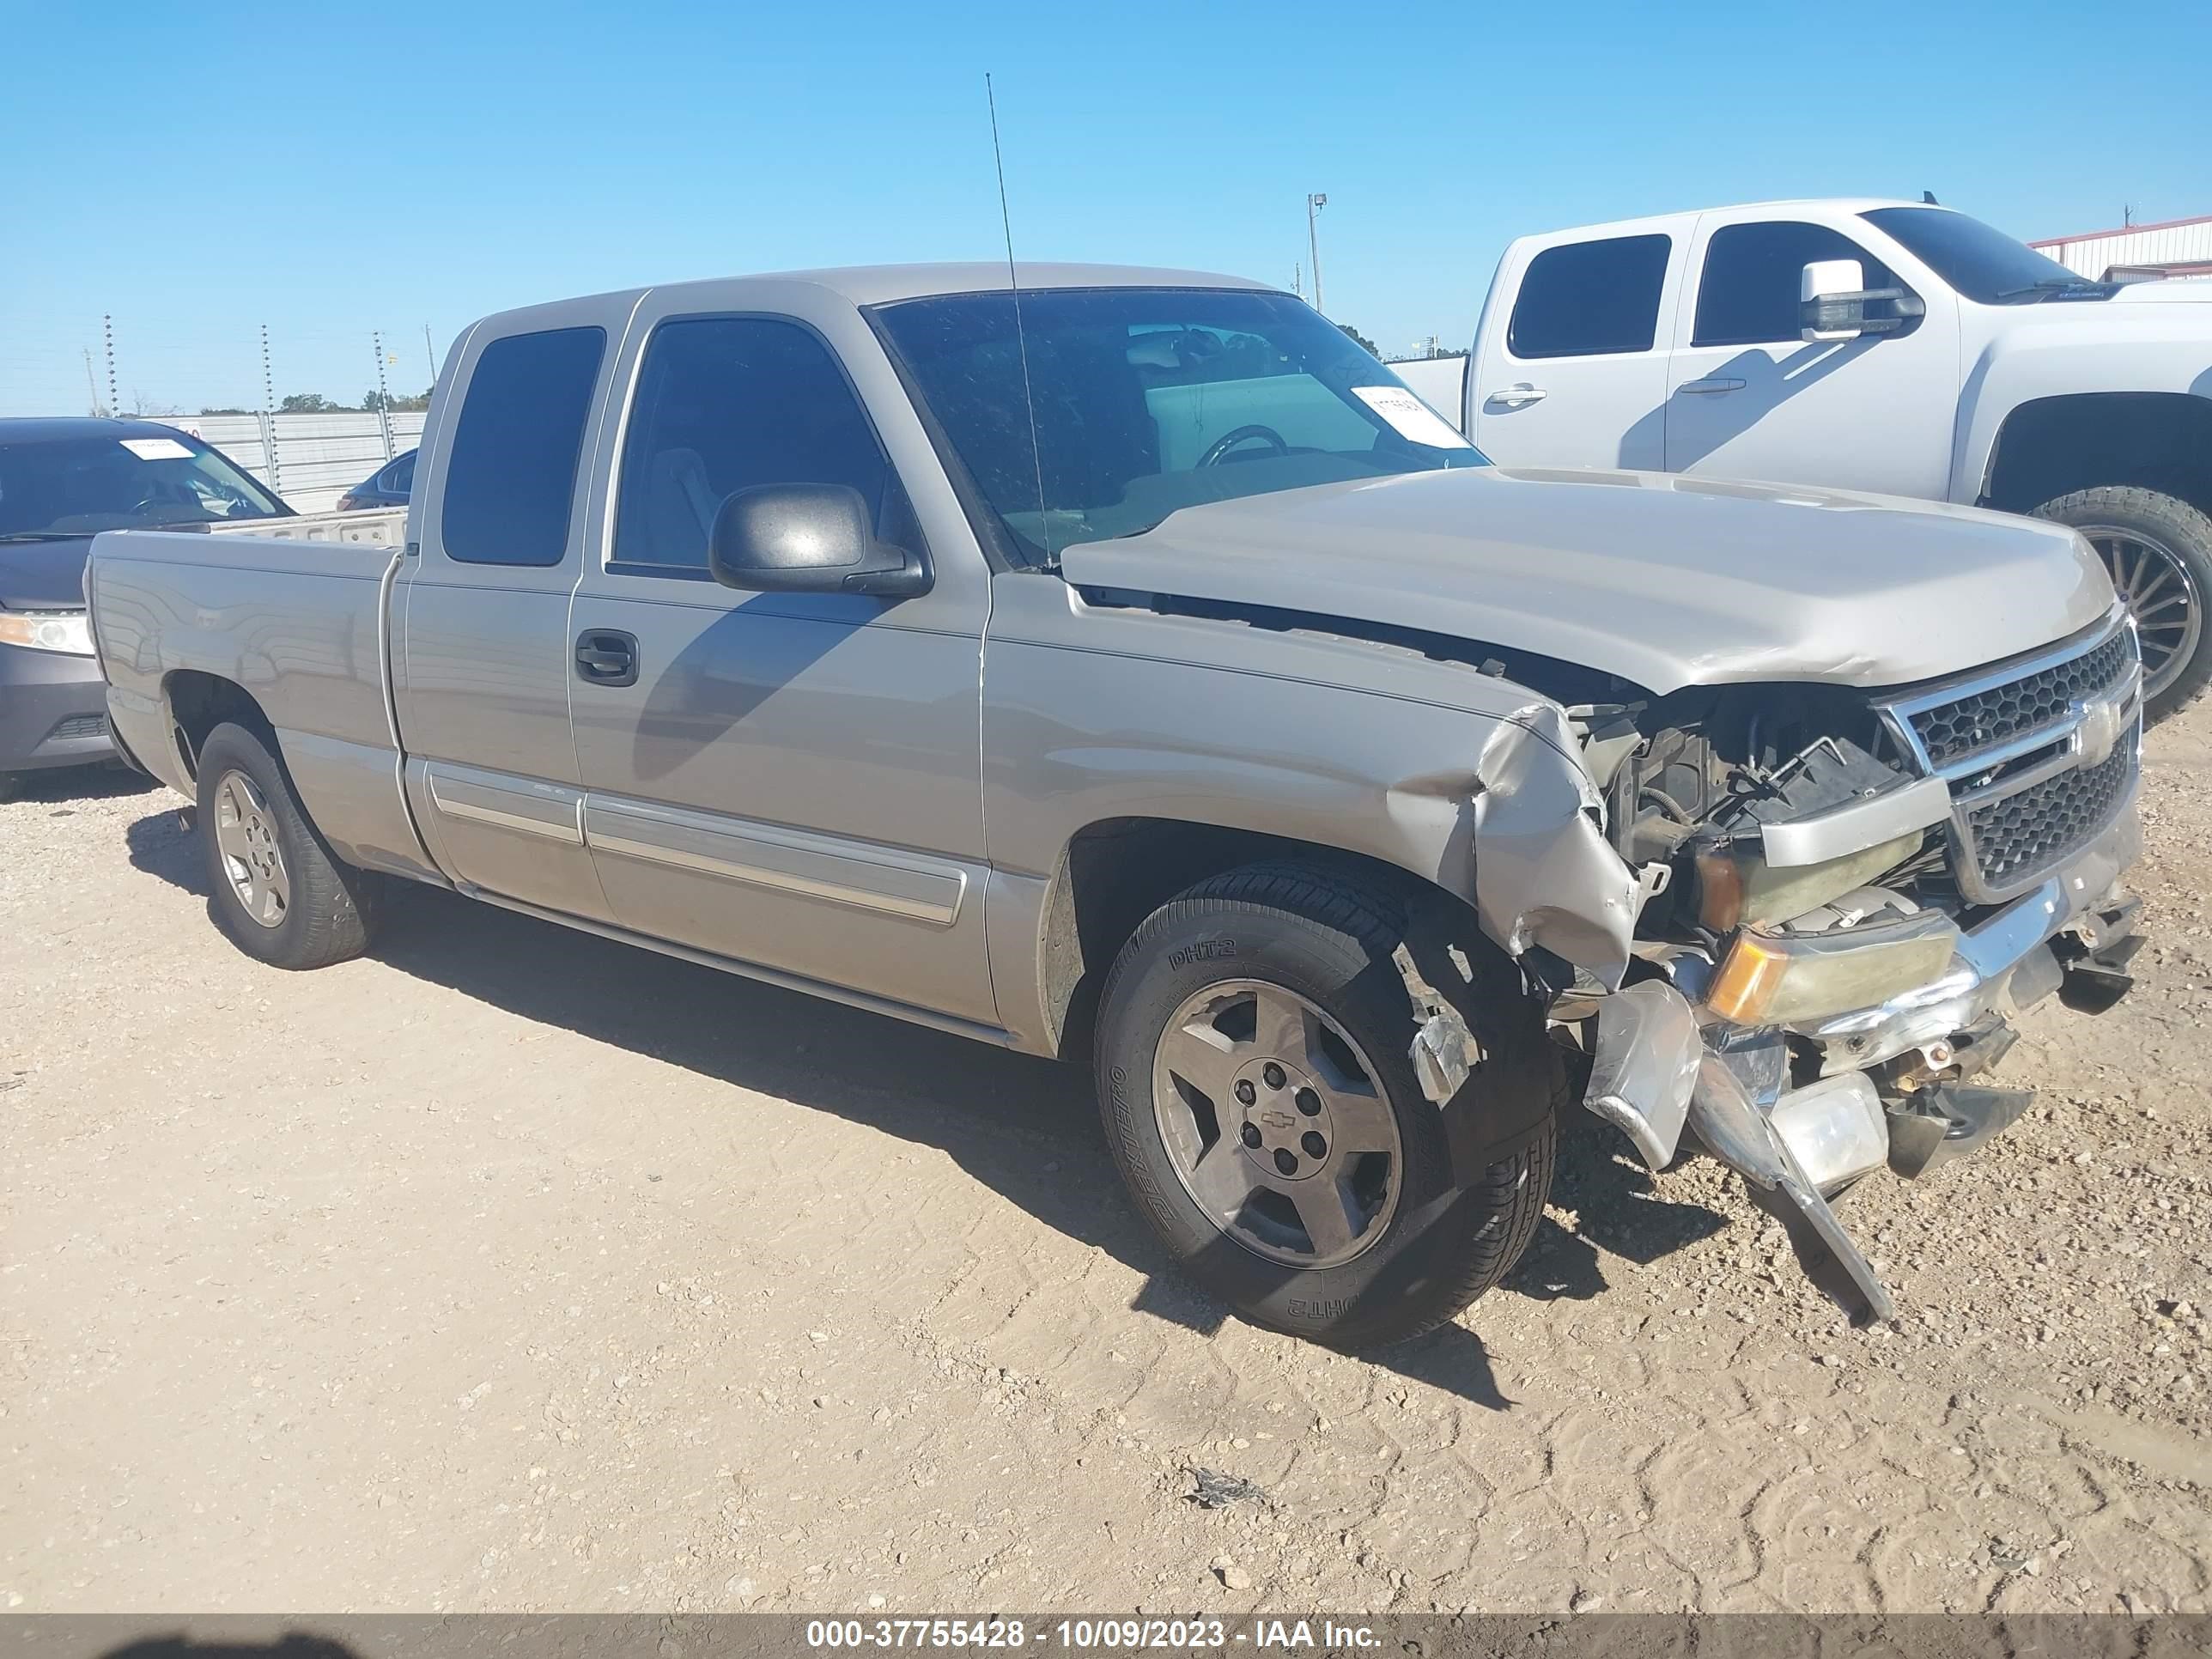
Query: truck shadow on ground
(1026, 1128)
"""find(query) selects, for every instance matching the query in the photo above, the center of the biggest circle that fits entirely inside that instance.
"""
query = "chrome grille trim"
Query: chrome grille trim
(2086, 716)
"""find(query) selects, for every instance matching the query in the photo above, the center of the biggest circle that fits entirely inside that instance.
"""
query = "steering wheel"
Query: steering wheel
(1229, 440)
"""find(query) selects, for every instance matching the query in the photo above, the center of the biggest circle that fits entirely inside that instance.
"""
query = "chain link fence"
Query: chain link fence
(308, 459)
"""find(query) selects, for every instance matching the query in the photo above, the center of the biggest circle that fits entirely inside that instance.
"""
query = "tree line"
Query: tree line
(314, 402)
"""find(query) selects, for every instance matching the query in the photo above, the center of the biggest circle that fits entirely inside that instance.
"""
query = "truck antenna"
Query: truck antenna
(1021, 337)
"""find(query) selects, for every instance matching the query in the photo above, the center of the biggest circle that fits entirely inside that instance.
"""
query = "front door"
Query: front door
(789, 780)
(1747, 398)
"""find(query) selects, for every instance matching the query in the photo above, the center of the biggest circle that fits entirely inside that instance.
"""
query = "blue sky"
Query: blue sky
(197, 171)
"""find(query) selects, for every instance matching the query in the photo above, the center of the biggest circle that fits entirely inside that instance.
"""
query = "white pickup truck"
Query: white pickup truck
(1896, 347)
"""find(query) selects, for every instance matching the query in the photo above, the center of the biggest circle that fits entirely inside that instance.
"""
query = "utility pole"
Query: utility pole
(108, 331)
(430, 354)
(269, 415)
(383, 394)
(1315, 203)
(91, 385)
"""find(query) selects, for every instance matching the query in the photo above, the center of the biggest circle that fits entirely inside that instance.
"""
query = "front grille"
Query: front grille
(1994, 716)
(2040, 761)
(79, 725)
(2021, 836)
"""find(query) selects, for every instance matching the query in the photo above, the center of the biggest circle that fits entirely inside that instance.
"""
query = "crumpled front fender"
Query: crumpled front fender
(1545, 875)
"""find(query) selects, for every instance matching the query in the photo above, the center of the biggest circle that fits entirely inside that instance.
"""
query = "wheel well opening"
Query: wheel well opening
(1115, 873)
(198, 702)
(2052, 446)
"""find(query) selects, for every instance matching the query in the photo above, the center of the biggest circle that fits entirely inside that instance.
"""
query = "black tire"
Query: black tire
(2182, 536)
(330, 908)
(1461, 1217)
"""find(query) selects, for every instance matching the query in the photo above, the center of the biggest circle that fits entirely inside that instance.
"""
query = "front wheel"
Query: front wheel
(2158, 550)
(1259, 1098)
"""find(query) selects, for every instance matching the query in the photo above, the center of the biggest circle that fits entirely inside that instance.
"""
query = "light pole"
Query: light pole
(1315, 203)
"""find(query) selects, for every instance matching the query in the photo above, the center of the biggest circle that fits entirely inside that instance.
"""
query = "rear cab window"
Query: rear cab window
(1590, 299)
(511, 475)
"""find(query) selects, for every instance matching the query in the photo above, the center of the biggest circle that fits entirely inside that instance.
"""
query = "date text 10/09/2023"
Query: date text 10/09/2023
(1092, 1635)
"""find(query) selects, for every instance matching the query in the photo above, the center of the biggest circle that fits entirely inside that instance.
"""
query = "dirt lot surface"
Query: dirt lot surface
(512, 1269)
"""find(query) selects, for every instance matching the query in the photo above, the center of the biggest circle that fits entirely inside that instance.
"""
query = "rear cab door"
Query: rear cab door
(481, 661)
(1749, 398)
(1571, 366)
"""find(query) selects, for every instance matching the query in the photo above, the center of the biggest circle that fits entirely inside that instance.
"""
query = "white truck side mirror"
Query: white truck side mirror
(1831, 300)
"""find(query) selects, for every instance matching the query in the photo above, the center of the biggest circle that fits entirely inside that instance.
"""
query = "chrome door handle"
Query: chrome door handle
(1719, 383)
(1514, 396)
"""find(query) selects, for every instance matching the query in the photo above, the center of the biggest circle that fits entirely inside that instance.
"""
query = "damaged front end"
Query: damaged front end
(1842, 902)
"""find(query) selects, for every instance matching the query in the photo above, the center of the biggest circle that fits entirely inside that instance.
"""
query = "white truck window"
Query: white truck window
(1590, 299)
(1749, 292)
(511, 474)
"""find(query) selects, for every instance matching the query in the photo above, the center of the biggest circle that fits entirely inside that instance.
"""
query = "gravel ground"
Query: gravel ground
(512, 1269)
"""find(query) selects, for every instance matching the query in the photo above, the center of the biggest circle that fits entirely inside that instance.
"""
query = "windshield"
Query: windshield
(60, 487)
(1980, 262)
(1147, 400)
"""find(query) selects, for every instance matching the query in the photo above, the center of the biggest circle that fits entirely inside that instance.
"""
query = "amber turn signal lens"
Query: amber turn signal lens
(1785, 979)
(1720, 890)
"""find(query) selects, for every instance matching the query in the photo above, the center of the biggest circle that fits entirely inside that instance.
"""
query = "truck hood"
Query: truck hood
(2196, 291)
(1665, 582)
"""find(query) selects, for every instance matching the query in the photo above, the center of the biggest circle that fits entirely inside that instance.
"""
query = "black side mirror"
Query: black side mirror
(808, 539)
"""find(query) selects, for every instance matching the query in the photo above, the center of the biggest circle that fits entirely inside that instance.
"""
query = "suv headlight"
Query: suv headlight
(47, 630)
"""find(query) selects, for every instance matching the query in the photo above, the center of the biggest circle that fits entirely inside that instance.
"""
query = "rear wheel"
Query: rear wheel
(1260, 1101)
(2158, 550)
(275, 889)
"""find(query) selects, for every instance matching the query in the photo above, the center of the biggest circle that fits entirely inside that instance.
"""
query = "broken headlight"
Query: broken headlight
(1736, 884)
(1772, 977)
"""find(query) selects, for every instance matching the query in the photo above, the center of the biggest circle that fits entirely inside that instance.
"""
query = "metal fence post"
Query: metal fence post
(383, 394)
(269, 417)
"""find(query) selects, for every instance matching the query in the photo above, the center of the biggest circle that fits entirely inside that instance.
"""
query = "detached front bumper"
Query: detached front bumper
(53, 710)
(1806, 1109)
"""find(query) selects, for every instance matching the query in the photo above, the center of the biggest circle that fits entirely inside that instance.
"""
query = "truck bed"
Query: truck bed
(291, 609)
(1439, 382)
(383, 526)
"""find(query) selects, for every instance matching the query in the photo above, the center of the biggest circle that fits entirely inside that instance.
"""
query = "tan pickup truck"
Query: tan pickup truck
(1127, 667)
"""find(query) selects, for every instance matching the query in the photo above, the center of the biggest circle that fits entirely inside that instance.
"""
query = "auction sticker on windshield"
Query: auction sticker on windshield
(1409, 417)
(157, 449)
